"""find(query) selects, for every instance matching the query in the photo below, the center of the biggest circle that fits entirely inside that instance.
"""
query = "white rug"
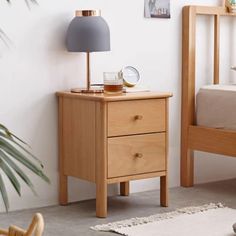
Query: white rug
(207, 220)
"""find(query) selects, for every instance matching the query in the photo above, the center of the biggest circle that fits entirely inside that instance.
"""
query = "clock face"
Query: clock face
(130, 76)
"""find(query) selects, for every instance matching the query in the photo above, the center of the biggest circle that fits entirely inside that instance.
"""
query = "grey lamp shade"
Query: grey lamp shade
(88, 34)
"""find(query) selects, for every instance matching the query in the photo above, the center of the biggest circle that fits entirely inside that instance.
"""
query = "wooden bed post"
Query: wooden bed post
(194, 137)
(188, 93)
(216, 49)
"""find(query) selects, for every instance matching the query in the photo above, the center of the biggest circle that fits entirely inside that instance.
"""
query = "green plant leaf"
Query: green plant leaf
(14, 136)
(27, 2)
(8, 132)
(4, 193)
(10, 139)
(5, 39)
(2, 127)
(10, 176)
(17, 169)
(13, 152)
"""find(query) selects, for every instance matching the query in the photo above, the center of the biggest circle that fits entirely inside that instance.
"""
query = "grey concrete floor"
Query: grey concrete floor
(75, 219)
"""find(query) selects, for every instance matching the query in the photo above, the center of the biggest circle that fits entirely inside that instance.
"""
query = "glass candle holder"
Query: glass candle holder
(113, 83)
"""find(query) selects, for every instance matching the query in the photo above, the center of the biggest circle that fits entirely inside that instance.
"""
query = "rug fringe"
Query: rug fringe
(158, 217)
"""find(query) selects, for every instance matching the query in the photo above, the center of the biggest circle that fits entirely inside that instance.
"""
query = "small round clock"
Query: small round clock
(130, 76)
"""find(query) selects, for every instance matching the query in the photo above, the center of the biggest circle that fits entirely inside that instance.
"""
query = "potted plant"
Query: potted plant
(14, 151)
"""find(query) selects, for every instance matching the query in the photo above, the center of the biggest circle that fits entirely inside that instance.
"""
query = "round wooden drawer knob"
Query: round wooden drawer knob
(138, 155)
(138, 117)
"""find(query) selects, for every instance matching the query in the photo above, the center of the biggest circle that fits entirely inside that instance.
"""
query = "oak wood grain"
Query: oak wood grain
(137, 154)
(101, 159)
(188, 92)
(136, 177)
(212, 140)
(136, 117)
(79, 118)
(124, 188)
(63, 185)
(112, 98)
(164, 191)
(192, 137)
(87, 152)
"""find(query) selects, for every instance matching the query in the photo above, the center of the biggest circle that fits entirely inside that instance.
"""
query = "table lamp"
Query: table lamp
(88, 32)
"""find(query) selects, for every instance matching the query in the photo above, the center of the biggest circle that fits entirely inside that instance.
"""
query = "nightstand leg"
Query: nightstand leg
(124, 188)
(164, 191)
(63, 190)
(101, 200)
(63, 179)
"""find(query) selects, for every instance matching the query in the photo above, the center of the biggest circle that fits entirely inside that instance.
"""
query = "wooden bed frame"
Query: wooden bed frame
(195, 137)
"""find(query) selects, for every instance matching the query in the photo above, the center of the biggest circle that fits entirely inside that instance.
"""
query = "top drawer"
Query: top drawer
(136, 117)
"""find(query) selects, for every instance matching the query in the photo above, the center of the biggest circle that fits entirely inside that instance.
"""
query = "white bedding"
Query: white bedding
(216, 106)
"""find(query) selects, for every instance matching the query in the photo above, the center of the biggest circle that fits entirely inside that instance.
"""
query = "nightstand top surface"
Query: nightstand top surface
(111, 98)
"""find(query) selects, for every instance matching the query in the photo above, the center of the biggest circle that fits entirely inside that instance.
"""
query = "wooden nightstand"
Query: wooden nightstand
(113, 139)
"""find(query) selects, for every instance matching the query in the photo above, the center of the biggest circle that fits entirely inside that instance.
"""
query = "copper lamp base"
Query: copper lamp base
(91, 90)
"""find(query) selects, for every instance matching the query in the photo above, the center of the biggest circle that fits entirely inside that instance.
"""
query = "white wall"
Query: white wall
(38, 65)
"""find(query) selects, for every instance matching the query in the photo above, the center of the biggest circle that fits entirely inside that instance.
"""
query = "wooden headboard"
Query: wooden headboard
(194, 137)
(190, 14)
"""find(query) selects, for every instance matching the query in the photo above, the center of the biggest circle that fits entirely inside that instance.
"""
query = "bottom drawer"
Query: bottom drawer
(138, 154)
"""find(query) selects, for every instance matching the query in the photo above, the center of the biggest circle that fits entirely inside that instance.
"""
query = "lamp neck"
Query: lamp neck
(82, 13)
(88, 71)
